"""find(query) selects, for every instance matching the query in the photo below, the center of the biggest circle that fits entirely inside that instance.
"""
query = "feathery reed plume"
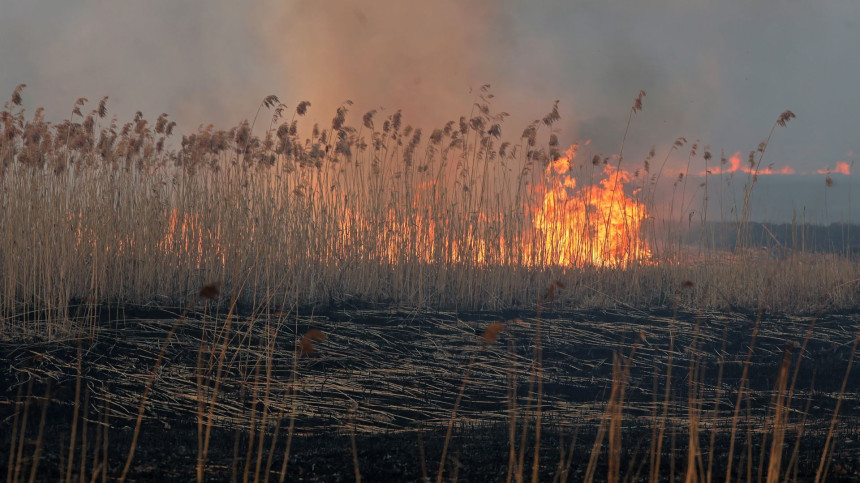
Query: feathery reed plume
(302, 108)
(784, 118)
(491, 333)
(306, 344)
(637, 103)
(367, 119)
(553, 115)
(210, 290)
(102, 109)
(16, 94)
(83, 100)
(340, 118)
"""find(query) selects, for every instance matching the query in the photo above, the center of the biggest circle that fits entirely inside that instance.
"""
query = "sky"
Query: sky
(717, 71)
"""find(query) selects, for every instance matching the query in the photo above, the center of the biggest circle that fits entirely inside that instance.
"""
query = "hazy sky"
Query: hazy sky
(716, 70)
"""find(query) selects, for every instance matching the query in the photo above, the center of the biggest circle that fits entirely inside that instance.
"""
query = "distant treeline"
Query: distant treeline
(837, 238)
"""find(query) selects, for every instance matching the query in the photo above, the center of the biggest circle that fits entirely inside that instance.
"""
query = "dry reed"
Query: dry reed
(94, 211)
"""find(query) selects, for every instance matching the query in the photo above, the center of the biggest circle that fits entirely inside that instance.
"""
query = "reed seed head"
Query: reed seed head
(785, 117)
(16, 94)
(210, 290)
(306, 344)
(491, 333)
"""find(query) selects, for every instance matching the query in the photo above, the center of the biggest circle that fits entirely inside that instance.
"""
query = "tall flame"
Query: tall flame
(595, 225)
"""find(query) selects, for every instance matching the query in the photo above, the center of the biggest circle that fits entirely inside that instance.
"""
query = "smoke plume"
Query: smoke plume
(421, 57)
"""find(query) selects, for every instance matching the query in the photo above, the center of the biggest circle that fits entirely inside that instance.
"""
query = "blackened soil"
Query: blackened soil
(392, 380)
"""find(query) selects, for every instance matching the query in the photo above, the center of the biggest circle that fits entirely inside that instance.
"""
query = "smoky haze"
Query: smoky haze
(421, 57)
(714, 70)
(429, 58)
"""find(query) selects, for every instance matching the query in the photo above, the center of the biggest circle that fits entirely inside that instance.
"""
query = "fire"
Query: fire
(595, 225)
(187, 233)
(394, 237)
(184, 234)
(734, 164)
(562, 224)
(841, 168)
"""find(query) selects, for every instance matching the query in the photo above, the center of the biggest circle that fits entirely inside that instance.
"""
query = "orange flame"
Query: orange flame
(841, 168)
(596, 225)
(414, 237)
(734, 164)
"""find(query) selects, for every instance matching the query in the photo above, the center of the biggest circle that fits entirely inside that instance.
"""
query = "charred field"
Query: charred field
(390, 380)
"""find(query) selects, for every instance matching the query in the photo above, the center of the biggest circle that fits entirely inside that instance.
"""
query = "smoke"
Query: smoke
(713, 73)
(425, 58)
(429, 58)
(215, 64)
(199, 65)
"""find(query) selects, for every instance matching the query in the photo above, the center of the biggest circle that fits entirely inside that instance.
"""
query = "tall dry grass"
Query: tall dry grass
(94, 211)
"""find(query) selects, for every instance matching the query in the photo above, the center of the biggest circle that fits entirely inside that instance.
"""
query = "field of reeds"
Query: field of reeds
(284, 300)
(377, 212)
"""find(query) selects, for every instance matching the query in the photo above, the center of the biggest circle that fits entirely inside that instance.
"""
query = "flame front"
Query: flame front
(561, 225)
(595, 225)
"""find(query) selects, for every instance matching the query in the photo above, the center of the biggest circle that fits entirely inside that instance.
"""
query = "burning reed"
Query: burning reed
(94, 211)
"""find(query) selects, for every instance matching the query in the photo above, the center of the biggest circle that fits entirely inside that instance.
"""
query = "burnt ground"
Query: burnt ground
(391, 378)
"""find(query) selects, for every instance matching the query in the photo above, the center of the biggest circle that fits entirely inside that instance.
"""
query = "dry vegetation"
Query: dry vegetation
(97, 211)
(96, 216)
